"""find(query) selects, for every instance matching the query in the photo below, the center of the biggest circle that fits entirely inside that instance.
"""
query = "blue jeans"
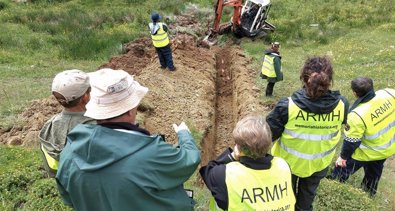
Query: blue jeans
(373, 170)
(165, 57)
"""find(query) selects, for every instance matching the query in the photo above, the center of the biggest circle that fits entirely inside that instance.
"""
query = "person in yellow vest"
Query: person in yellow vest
(271, 67)
(369, 135)
(247, 178)
(306, 128)
(71, 89)
(160, 39)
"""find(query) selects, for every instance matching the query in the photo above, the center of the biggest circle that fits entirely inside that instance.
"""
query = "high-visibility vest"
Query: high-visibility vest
(161, 38)
(378, 116)
(250, 189)
(268, 65)
(52, 162)
(309, 140)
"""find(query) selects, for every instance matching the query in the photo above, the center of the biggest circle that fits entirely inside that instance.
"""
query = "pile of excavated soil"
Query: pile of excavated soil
(211, 90)
(32, 119)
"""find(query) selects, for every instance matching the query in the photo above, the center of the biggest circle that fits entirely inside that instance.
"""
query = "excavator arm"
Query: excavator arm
(247, 20)
(236, 4)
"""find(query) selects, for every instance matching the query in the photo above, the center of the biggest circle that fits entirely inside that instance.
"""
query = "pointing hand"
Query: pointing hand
(180, 127)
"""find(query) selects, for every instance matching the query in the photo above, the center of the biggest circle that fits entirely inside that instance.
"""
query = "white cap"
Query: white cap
(71, 84)
(276, 44)
(113, 93)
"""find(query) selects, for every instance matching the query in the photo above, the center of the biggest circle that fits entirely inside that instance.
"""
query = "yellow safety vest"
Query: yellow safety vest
(268, 66)
(309, 140)
(52, 162)
(378, 116)
(250, 189)
(161, 38)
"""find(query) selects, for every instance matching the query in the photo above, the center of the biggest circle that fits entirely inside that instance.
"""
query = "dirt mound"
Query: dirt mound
(138, 54)
(33, 119)
(211, 90)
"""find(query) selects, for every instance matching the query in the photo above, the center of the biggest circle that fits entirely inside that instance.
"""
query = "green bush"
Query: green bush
(44, 195)
(3, 5)
(23, 182)
(333, 195)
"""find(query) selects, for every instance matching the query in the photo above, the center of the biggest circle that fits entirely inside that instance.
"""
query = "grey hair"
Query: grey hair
(253, 136)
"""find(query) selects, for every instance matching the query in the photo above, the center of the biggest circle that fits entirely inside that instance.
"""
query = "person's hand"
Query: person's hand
(180, 127)
(340, 162)
(236, 153)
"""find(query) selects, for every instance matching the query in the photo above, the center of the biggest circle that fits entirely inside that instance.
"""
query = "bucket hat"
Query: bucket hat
(113, 93)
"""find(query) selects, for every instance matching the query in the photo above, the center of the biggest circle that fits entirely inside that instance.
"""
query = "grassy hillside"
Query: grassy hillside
(40, 38)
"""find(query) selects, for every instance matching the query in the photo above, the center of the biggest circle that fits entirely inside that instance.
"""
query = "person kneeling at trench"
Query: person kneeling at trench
(247, 178)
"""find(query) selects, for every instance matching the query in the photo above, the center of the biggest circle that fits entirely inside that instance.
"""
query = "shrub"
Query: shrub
(24, 184)
(333, 195)
(44, 195)
(3, 5)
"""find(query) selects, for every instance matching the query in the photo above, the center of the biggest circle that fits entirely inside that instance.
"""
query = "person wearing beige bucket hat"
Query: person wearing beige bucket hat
(116, 165)
(71, 89)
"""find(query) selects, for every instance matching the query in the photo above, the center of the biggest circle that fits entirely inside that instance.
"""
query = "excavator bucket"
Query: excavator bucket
(209, 40)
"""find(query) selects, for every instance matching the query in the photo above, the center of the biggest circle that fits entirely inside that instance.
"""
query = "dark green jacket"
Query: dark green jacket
(107, 169)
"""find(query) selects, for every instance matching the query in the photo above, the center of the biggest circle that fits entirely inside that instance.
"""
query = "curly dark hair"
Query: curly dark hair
(316, 75)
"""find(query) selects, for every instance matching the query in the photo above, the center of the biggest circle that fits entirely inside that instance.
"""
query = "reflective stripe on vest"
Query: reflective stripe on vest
(382, 147)
(311, 137)
(306, 156)
(52, 163)
(381, 132)
(268, 66)
(309, 140)
(161, 38)
(250, 189)
(378, 114)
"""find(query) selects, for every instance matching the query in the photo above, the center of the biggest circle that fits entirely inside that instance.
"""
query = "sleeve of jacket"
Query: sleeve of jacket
(214, 177)
(277, 68)
(352, 135)
(277, 118)
(165, 28)
(172, 166)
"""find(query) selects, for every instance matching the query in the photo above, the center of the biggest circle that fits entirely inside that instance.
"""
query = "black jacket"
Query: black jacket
(214, 174)
(278, 117)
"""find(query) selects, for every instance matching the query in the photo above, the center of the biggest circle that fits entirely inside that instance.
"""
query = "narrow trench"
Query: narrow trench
(219, 136)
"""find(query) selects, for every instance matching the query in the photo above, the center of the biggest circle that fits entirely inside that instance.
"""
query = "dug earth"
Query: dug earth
(211, 90)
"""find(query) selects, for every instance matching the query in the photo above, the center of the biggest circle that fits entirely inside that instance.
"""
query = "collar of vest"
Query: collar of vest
(366, 98)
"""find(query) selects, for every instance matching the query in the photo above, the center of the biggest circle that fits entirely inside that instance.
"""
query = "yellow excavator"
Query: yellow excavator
(248, 20)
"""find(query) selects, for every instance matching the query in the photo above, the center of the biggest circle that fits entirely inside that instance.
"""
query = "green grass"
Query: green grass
(23, 183)
(359, 44)
(43, 37)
